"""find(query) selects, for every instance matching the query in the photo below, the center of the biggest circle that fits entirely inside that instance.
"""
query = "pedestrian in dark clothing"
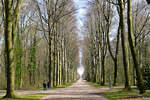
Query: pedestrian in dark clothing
(44, 85)
(48, 85)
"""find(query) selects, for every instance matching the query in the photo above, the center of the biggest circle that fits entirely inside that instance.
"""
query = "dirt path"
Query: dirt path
(23, 92)
(78, 91)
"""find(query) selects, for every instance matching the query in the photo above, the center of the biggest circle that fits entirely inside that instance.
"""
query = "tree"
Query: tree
(18, 61)
(55, 11)
(140, 82)
(12, 10)
(108, 18)
(57, 25)
(148, 1)
(124, 44)
(32, 62)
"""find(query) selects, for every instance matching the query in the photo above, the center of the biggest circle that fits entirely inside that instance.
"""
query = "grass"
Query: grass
(63, 86)
(27, 97)
(66, 85)
(121, 94)
(127, 95)
(96, 85)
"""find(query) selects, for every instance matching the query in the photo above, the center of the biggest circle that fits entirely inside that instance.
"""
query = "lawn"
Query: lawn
(63, 86)
(120, 94)
(127, 95)
(96, 85)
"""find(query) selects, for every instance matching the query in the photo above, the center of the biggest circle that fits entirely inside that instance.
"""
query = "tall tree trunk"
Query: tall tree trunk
(52, 64)
(9, 51)
(103, 71)
(11, 21)
(115, 72)
(124, 45)
(140, 82)
(54, 58)
(114, 57)
(30, 77)
(50, 81)
(50, 46)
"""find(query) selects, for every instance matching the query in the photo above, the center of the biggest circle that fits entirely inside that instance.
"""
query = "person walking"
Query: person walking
(44, 85)
(48, 85)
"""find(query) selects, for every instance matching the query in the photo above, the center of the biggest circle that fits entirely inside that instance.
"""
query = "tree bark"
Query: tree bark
(140, 82)
(124, 45)
(114, 57)
(103, 71)
(11, 20)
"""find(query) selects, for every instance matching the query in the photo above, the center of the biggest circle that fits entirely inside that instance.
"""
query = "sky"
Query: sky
(81, 5)
(80, 68)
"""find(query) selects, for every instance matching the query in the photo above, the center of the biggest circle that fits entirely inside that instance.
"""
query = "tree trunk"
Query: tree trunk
(103, 72)
(115, 72)
(9, 52)
(30, 77)
(124, 45)
(11, 21)
(140, 82)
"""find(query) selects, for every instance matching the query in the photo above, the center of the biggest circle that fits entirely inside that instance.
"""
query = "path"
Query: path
(78, 91)
(23, 92)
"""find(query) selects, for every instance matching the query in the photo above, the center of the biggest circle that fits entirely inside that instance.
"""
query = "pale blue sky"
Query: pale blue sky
(82, 6)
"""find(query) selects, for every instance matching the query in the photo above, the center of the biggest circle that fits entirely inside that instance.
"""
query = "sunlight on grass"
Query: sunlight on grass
(127, 95)
(121, 94)
(63, 86)
(96, 85)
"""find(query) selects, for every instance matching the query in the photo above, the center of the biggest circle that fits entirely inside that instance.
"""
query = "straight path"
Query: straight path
(78, 91)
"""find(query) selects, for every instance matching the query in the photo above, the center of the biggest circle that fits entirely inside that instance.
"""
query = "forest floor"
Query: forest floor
(80, 90)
